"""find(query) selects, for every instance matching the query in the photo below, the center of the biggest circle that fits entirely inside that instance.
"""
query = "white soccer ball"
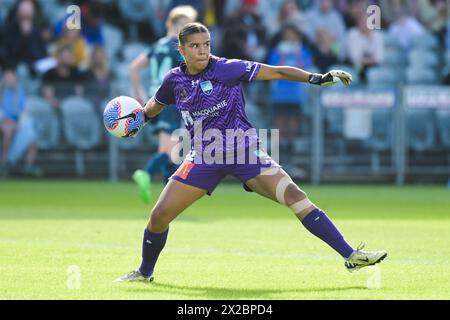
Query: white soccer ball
(123, 117)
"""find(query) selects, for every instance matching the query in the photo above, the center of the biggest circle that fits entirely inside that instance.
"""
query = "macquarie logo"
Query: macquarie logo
(210, 112)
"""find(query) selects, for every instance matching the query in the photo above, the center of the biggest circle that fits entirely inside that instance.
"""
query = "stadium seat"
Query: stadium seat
(131, 50)
(443, 123)
(82, 126)
(132, 143)
(121, 71)
(390, 41)
(135, 10)
(383, 76)
(334, 121)
(418, 75)
(394, 58)
(382, 130)
(420, 130)
(46, 122)
(423, 58)
(447, 57)
(113, 38)
(425, 41)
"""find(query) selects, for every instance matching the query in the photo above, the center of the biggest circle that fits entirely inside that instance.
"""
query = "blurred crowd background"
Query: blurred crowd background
(56, 81)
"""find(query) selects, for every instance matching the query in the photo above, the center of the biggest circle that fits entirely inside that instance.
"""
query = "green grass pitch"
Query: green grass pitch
(233, 245)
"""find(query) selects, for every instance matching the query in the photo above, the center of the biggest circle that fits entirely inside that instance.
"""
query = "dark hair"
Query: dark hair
(190, 28)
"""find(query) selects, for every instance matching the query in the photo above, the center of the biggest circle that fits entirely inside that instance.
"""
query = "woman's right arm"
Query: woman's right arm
(152, 108)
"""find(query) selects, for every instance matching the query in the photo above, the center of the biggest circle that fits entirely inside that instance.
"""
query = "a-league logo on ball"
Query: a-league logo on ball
(207, 87)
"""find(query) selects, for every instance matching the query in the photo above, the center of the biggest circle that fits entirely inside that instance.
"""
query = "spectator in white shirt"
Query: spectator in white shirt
(324, 16)
(364, 47)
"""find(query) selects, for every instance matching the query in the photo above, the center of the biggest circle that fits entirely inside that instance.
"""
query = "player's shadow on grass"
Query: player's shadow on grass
(233, 293)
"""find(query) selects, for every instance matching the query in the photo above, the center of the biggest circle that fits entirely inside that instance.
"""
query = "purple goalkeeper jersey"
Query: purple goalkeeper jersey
(212, 102)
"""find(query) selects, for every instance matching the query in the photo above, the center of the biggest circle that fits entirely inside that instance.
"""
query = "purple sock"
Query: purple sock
(152, 245)
(319, 225)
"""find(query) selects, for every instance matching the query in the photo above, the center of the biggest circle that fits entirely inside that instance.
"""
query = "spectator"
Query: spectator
(352, 11)
(18, 132)
(325, 17)
(91, 24)
(405, 28)
(390, 9)
(325, 53)
(433, 14)
(288, 97)
(78, 45)
(40, 21)
(22, 39)
(244, 34)
(365, 47)
(159, 10)
(290, 14)
(63, 80)
(98, 77)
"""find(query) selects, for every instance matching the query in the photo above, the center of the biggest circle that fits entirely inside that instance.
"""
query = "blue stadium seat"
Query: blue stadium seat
(135, 10)
(447, 57)
(121, 71)
(390, 41)
(394, 58)
(425, 41)
(423, 58)
(46, 122)
(82, 125)
(443, 121)
(334, 121)
(382, 130)
(132, 143)
(420, 130)
(131, 50)
(418, 75)
(113, 38)
(383, 76)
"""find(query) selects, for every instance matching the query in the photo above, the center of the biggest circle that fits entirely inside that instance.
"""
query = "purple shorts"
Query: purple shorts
(208, 176)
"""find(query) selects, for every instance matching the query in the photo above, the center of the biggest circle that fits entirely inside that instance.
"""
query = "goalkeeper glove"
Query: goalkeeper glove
(331, 78)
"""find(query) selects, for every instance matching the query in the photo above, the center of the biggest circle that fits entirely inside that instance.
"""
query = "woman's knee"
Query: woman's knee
(294, 194)
(158, 219)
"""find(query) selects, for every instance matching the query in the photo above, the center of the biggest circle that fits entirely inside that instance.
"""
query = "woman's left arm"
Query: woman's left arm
(267, 72)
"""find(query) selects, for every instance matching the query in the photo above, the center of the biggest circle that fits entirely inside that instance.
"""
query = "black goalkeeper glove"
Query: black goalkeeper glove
(331, 78)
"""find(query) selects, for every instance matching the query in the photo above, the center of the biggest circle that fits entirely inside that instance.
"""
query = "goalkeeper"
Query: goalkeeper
(207, 89)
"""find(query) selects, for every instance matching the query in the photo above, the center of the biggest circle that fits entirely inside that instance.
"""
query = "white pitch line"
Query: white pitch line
(221, 252)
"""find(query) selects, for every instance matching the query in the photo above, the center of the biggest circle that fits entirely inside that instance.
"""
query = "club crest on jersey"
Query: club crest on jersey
(207, 87)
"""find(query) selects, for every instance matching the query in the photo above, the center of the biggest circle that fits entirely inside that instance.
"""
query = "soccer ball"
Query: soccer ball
(123, 117)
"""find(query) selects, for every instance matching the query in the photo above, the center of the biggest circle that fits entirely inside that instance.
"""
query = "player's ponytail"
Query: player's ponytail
(190, 28)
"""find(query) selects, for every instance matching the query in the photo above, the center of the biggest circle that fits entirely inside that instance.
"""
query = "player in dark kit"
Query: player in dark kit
(207, 90)
(162, 57)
